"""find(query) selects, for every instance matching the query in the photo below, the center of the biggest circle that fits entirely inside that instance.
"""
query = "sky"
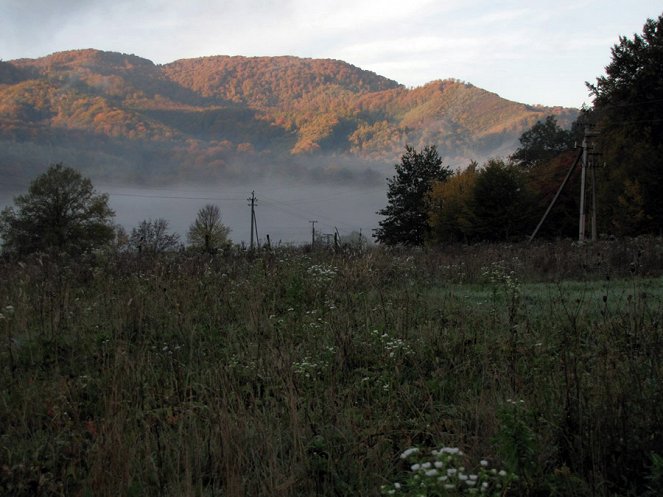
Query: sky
(535, 52)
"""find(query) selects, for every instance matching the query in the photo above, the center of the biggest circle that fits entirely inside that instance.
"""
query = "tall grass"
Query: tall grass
(289, 373)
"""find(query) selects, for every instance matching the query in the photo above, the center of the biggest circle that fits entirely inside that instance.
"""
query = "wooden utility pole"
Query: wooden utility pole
(588, 156)
(313, 233)
(254, 228)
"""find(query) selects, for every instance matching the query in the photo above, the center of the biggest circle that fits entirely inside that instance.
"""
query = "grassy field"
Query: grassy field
(293, 373)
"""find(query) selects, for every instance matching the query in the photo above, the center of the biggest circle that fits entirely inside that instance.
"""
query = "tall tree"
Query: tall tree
(628, 106)
(60, 212)
(207, 232)
(543, 141)
(406, 215)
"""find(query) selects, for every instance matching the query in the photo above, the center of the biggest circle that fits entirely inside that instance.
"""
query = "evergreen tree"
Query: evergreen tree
(406, 215)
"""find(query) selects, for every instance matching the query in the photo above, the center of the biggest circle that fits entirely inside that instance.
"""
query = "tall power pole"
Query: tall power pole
(588, 156)
(313, 233)
(254, 228)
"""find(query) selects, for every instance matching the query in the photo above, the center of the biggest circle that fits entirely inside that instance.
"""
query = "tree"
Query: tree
(542, 142)
(406, 215)
(207, 232)
(501, 204)
(152, 236)
(60, 212)
(634, 76)
(628, 106)
(450, 214)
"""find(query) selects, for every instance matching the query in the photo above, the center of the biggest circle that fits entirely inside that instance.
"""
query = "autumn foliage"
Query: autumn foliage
(198, 117)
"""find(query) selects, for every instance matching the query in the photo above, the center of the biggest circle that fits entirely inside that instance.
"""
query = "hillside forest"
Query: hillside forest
(120, 116)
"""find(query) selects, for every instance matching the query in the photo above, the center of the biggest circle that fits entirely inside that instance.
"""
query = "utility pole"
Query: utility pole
(313, 233)
(254, 228)
(587, 155)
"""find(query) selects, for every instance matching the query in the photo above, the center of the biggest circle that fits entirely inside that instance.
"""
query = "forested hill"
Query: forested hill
(113, 113)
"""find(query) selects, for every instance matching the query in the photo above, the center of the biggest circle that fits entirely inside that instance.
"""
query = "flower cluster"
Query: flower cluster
(7, 312)
(497, 273)
(454, 273)
(392, 346)
(322, 274)
(308, 368)
(441, 472)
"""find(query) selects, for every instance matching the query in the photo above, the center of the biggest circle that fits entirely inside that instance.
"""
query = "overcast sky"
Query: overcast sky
(536, 51)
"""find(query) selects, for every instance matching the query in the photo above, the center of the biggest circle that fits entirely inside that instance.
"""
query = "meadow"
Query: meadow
(489, 369)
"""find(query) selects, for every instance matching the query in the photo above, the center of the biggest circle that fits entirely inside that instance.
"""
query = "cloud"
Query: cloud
(349, 15)
(515, 46)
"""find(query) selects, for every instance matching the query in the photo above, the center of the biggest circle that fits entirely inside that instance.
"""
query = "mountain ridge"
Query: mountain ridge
(207, 115)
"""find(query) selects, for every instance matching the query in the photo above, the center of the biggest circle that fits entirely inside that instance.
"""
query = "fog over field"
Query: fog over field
(283, 210)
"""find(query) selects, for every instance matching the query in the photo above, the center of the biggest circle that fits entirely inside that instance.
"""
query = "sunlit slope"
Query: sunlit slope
(216, 109)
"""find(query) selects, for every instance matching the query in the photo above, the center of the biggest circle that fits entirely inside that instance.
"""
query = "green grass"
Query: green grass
(291, 373)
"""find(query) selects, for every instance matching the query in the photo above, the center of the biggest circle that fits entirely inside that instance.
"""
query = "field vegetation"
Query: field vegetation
(535, 370)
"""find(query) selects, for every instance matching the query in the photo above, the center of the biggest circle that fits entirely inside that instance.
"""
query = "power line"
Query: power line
(330, 223)
(174, 197)
(641, 121)
(632, 104)
(332, 197)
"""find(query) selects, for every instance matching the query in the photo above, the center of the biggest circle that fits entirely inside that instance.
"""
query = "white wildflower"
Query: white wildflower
(449, 450)
(408, 452)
